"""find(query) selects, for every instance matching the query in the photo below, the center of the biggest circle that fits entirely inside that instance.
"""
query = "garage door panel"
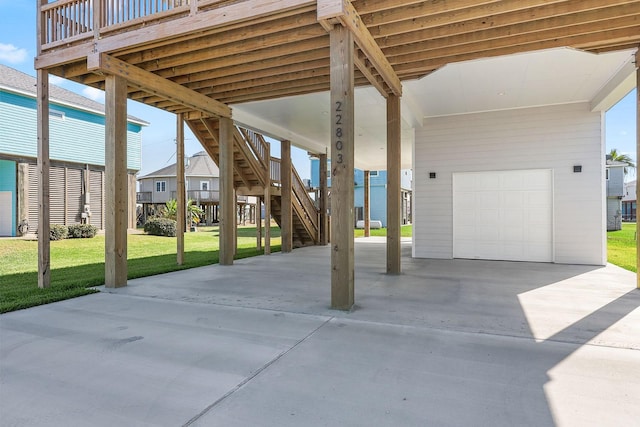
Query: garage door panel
(514, 199)
(513, 234)
(507, 216)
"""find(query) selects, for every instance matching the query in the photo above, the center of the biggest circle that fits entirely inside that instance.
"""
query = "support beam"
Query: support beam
(154, 84)
(323, 199)
(227, 202)
(637, 154)
(286, 218)
(116, 182)
(342, 158)
(393, 184)
(367, 208)
(343, 11)
(259, 223)
(23, 197)
(267, 202)
(180, 193)
(44, 226)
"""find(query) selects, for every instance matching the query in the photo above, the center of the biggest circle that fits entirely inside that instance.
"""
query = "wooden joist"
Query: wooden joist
(149, 82)
(343, 11)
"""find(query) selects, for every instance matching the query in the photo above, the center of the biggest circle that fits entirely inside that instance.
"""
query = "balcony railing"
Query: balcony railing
(144, 196)
(65, 21)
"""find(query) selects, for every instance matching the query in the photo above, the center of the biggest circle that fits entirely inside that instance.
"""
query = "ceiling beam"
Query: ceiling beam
(151, 83)
(343, 11)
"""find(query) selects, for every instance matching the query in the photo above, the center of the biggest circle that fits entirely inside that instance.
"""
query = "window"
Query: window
(56, 114)
(161, 186)
(373, 173)
(204, 185)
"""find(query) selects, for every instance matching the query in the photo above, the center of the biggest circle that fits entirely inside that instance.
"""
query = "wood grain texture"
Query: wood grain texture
(116, 190)
(342, 158)
(227, 202)
(180, 193)
(44, 165)
(394, 201)
(286, 215)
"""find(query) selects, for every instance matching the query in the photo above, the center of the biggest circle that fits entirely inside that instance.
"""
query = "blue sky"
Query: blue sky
(17, 50)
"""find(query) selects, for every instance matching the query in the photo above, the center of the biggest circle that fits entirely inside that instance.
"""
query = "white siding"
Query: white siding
(554, 137)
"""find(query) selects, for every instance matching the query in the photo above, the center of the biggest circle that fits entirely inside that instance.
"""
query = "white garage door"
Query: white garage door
(504, 215)
(6, 213)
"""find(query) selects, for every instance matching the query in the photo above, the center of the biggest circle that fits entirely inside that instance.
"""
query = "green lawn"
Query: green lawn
(621, 247)
(405, 231)
(77, 264)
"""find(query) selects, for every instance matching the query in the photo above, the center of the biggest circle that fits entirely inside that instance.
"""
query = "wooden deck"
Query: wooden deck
(237, 51)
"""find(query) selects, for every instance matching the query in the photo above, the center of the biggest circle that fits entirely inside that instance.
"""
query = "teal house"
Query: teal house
(377, 192)
(77, 135)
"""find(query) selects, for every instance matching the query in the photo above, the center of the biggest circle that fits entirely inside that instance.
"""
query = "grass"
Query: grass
(621, 247)
(78, 264)
(405, 231)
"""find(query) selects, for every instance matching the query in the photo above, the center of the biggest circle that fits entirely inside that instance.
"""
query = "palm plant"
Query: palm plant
(622, 158)
(171, 210)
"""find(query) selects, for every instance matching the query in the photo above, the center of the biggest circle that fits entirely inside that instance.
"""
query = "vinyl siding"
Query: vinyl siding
(555, 137)
(78, 137)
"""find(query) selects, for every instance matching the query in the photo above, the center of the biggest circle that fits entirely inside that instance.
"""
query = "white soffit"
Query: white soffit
(305, 121)
(549, 77)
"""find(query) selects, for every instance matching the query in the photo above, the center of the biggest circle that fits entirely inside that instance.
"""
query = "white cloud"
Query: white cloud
(55, 80)
(93, 93)
(12, 54)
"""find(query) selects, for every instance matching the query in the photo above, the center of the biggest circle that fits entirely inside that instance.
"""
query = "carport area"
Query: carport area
(448, 342)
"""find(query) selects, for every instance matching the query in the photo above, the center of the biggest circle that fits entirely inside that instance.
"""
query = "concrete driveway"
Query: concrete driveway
(447, 343)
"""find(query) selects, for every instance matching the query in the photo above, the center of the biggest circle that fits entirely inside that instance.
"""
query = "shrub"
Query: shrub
(160, 227)
(58, 232)
(82, 231)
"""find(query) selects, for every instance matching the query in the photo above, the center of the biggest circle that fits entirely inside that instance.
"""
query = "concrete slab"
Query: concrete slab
(448, 342)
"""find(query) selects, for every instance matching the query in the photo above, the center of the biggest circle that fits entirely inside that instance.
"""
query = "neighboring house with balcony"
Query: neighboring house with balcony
(202, 182)
(77, 155)
(377, 192)
(629, 204)
(615, 192)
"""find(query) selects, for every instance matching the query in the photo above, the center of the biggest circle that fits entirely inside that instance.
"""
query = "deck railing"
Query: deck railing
(275, 170)
(65, 21)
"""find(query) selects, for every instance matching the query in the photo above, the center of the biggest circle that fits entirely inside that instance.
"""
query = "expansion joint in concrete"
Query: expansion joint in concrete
(255, 374)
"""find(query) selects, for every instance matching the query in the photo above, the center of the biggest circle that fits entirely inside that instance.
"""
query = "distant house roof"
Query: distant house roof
(17, 81)
(616, 164)
(200, 164)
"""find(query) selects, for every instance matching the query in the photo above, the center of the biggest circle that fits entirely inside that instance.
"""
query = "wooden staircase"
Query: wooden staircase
(250, 160)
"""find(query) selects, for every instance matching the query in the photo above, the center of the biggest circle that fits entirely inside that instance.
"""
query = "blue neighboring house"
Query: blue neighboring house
(76, 140)
(377, 192)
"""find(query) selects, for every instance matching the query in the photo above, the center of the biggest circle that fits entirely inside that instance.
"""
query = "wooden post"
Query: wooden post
(342, 158)
(236, 215)
(259, 224)
(393, 184)
(116, 182)
(267, 202)
(286, 220)
(323, 201)
(367, 207)
(637, 155)
(133, 213)
(180, 193)
(44, 226)
(23, 196)
(227, 215)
